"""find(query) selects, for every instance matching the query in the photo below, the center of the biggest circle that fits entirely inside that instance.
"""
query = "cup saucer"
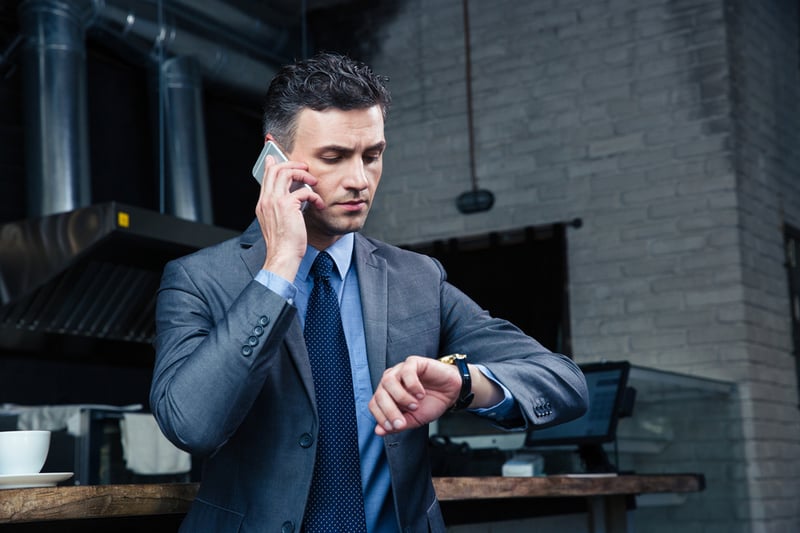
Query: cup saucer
(24, 481)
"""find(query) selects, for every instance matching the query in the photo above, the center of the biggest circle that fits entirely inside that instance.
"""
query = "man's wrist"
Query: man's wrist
(465, 395)
(277, 284)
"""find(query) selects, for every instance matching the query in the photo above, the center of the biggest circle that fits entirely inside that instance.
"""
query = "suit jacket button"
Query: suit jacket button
(258, 330)
(252, 341)
(247, 351)
(287, 527)
(306, 440)
(263, 321)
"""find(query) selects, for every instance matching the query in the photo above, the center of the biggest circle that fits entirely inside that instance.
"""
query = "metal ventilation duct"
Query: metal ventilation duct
(93, 271)
(54, 107)
(231, 47)
(188, 189)
(54, 82)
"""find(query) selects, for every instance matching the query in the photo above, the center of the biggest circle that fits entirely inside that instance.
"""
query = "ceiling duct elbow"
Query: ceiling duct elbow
(230, 47)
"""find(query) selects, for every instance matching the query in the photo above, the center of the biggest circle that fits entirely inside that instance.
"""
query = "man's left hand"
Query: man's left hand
(414, 393)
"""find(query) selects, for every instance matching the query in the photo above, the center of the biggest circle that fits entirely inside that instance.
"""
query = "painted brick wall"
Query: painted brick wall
(764, 90)
(670, 128)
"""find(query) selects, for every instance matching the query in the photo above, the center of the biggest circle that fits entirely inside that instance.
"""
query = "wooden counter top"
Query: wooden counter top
(105, 501)
(95, 501)
(471, 488)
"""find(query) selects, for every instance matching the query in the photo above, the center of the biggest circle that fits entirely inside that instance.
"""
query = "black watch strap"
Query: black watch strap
(466, 395)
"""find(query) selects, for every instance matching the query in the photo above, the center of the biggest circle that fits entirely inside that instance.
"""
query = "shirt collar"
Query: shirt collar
(341, 251)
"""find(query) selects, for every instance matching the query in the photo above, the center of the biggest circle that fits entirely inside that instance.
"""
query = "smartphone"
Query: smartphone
(270, 148)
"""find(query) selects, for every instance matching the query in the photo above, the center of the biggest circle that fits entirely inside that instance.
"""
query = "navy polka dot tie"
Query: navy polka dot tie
(336, 502)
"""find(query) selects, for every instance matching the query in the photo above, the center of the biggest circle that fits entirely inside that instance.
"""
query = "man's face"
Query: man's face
(344, 151)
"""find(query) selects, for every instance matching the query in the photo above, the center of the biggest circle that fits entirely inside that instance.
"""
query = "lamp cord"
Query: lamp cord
(468, 76)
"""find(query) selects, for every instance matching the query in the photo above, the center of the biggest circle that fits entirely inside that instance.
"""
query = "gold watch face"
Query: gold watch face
(451, 359)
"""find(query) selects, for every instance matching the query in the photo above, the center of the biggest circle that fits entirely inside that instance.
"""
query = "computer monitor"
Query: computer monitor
(607, 383)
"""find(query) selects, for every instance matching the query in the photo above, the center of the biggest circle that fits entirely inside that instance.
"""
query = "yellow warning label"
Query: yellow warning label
(123, 219)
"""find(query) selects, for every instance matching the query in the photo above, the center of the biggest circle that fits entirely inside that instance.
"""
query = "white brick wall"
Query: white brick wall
(765, 95)
(671, 128)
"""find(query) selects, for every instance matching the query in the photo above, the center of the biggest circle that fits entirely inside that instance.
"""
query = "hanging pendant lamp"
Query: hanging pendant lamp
(475, 200)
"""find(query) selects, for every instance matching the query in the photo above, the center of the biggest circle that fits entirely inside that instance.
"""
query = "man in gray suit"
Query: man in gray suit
(233, 381)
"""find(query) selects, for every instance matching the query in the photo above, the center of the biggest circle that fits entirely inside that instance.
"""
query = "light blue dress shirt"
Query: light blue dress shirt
(376, 482)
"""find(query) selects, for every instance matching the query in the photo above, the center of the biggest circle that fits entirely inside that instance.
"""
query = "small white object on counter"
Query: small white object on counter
(147, 451)
(23, 452)
(524, 465)
(28, 481)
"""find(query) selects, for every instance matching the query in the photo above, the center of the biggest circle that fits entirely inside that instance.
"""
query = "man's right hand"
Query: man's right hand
(280, 217)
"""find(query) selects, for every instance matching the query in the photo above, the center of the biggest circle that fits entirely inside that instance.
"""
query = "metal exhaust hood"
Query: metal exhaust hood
(92, 272)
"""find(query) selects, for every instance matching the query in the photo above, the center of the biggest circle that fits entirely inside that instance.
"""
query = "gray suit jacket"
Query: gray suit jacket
(232, 380)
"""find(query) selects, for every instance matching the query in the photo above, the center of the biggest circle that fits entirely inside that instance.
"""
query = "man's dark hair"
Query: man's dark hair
(324, 81)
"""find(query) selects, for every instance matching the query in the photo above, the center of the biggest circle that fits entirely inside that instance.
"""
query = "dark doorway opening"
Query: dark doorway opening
(519, 275)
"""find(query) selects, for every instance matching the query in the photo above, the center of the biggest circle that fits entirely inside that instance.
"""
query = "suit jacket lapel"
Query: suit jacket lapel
(254, 250)
(372, 282)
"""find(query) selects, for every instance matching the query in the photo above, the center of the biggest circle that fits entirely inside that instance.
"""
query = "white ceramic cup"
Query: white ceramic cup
(23, 452)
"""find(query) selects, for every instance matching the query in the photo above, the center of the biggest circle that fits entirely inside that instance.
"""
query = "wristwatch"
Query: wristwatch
(466, 395)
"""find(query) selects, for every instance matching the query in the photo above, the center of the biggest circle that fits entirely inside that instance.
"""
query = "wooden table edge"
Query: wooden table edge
(117, 501)
(465, 488)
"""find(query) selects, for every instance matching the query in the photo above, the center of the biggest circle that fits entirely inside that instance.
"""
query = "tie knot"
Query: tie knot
(323, 266)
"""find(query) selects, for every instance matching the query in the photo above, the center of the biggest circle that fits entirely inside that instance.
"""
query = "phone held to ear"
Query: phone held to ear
(270, 148)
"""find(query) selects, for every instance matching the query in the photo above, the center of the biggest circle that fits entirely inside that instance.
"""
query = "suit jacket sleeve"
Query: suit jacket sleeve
(216, 335)
(548, 387)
